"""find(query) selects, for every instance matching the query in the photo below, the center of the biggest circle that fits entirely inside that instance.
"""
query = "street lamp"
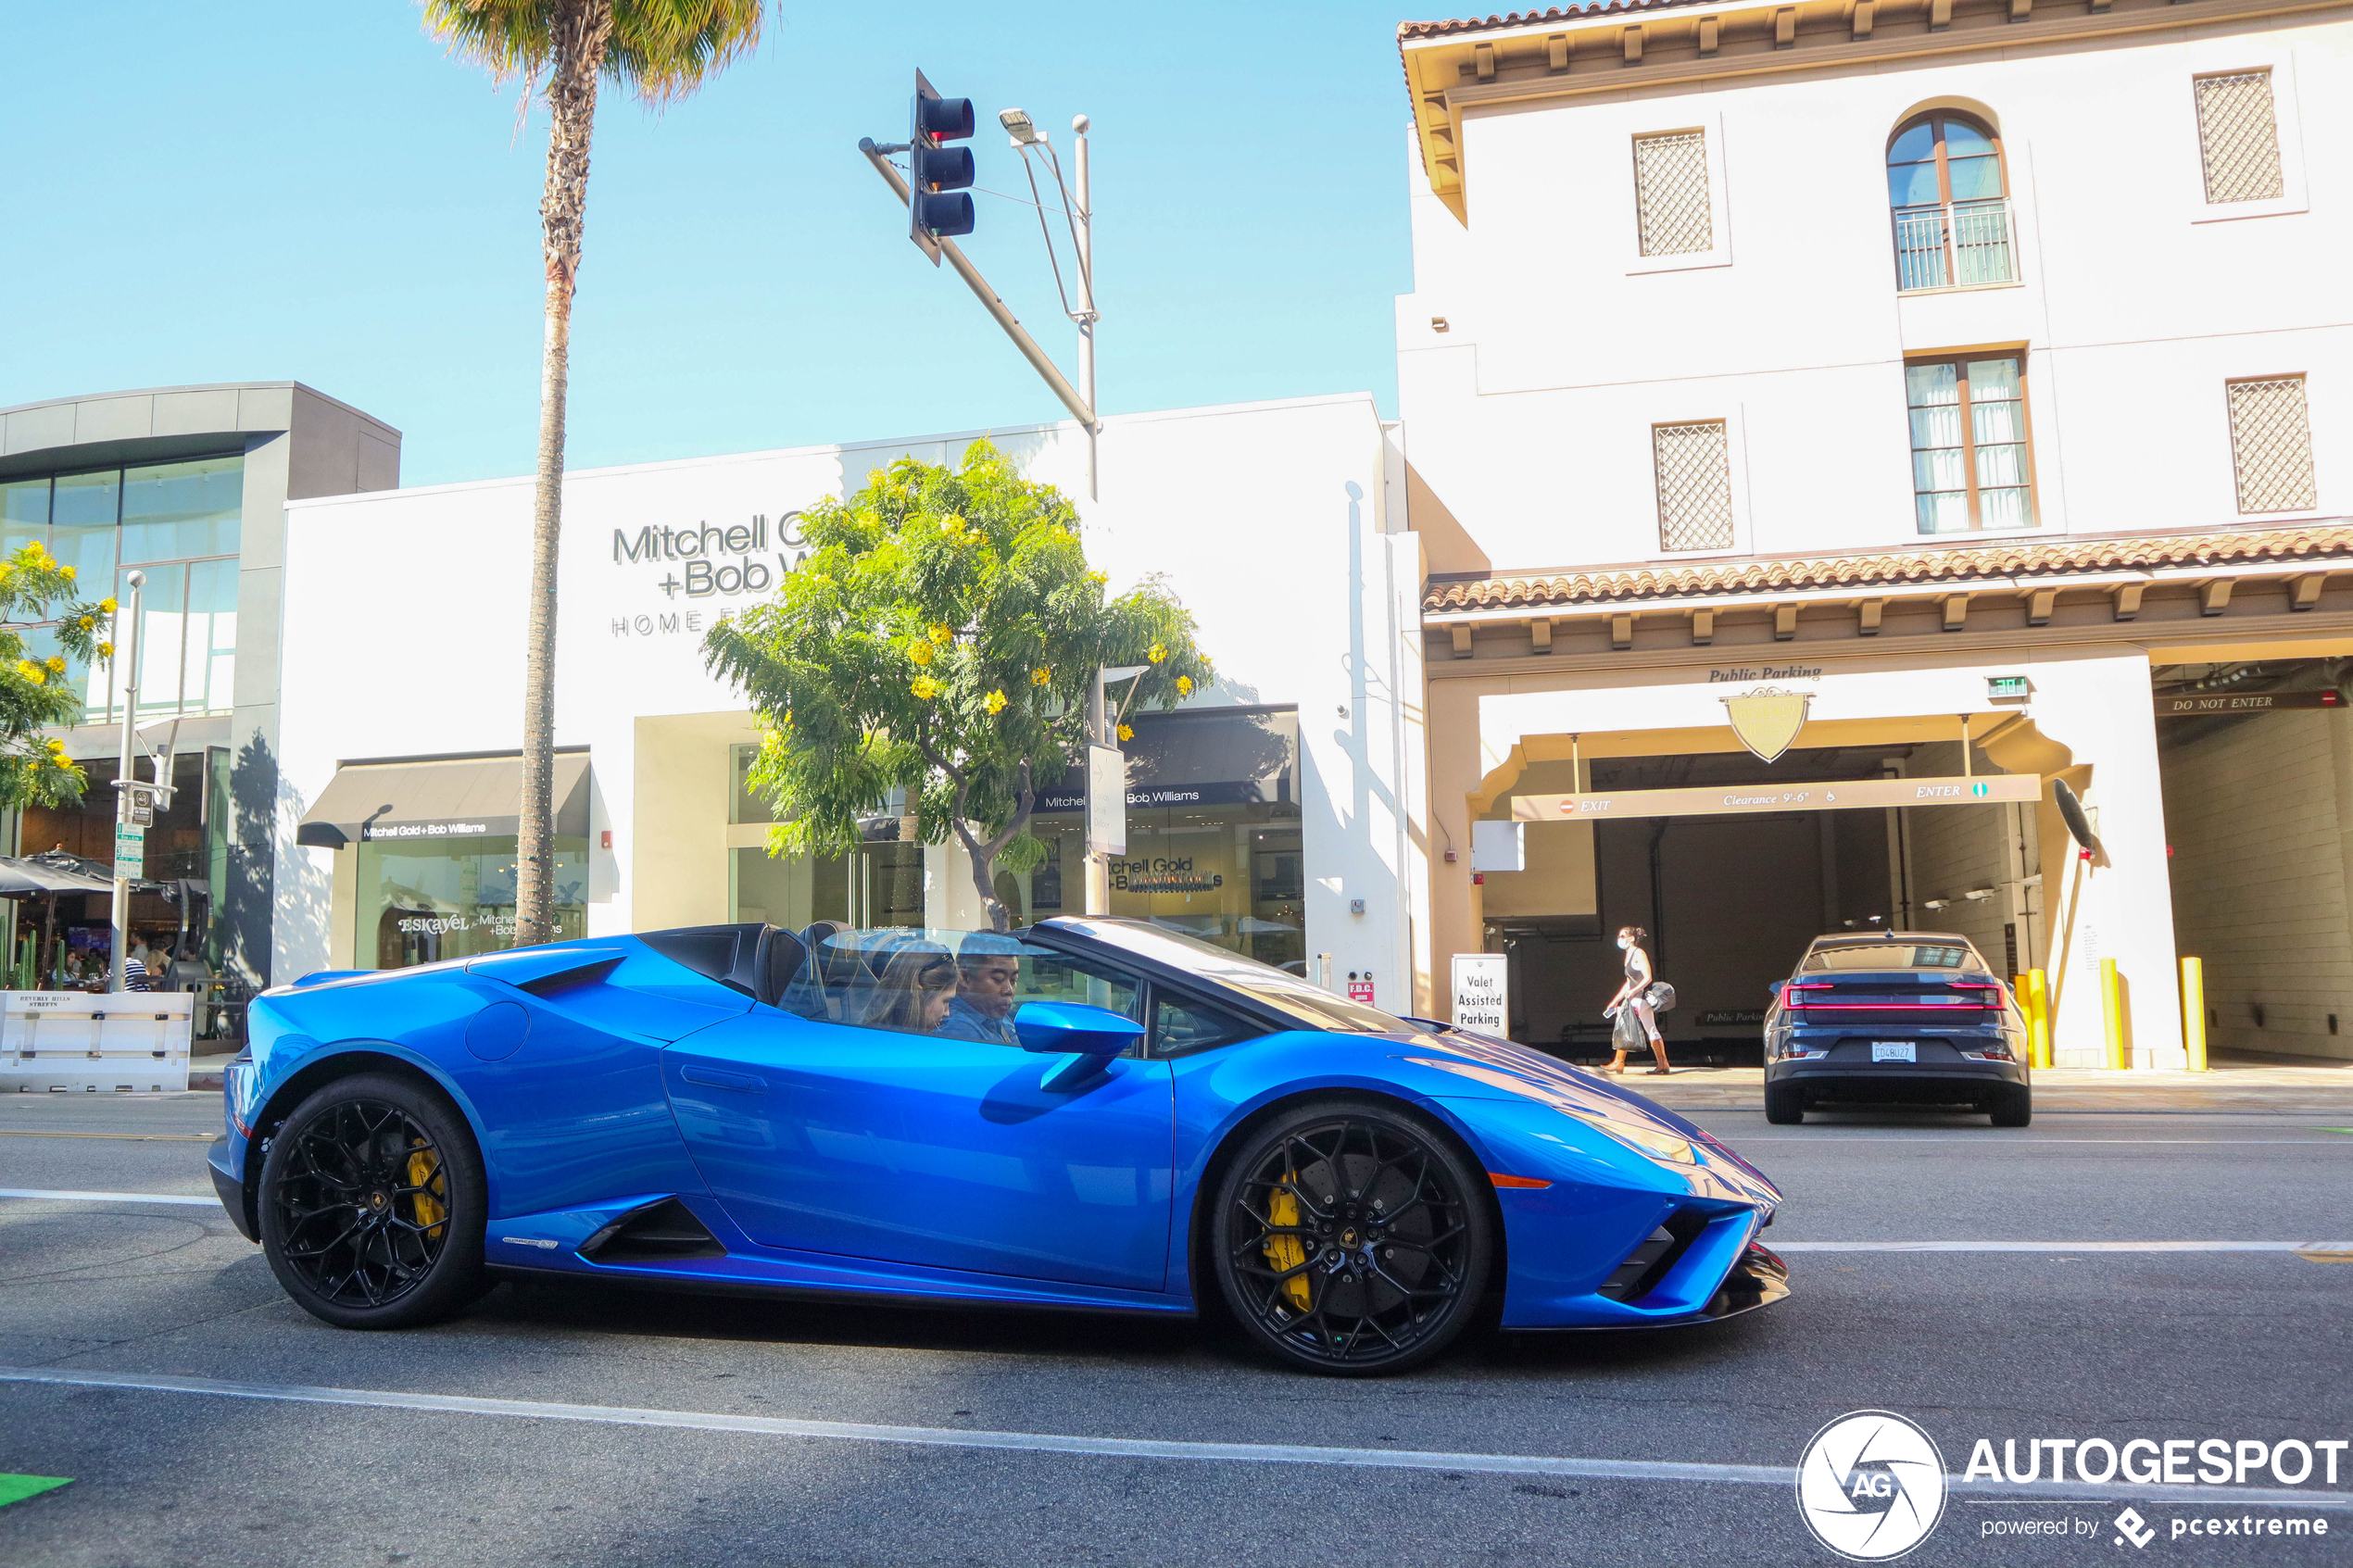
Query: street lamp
(1019, 127)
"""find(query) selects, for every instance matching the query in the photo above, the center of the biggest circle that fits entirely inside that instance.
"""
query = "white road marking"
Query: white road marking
(109, 1197)
(2344, 1247)
(1120, 1448)
(1834, 1138)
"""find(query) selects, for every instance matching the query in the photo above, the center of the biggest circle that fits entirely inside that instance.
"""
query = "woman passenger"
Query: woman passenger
(914, 990)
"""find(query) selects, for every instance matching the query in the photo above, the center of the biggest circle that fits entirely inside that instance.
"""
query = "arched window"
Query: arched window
(1944, 180)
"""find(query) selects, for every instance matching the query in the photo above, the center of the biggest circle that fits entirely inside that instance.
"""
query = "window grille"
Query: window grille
(2271, 445)
(2238, 137)
(1694, 486)
(1670, 194)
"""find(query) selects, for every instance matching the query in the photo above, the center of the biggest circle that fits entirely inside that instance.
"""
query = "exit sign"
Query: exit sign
(2007, 688)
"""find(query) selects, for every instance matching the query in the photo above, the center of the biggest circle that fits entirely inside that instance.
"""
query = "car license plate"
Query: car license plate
(1895, 1050)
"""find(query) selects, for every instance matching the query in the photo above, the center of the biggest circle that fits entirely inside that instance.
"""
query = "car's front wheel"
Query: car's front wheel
(1352, 1236)
(373, 1205)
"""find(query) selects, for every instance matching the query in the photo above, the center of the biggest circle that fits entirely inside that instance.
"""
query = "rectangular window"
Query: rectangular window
(1969, 467)
(2271, 445)
(2238, 137)
(1694, 474)
(1670, 194)
(174, 511)
(24, 514)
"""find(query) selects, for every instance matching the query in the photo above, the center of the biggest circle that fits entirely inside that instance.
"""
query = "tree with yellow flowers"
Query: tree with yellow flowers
(940, 638)
(34, 693)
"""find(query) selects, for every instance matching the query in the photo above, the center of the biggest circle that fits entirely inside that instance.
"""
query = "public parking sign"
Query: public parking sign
(130, 852)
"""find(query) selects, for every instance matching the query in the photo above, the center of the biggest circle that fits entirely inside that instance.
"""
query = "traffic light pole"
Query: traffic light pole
(1072, 399)
(1086, 215)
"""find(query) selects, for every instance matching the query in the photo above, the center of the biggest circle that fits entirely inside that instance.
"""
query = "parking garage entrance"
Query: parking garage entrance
(1731, 899)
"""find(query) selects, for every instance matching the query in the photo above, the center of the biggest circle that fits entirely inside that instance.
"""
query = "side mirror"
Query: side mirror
(1090, 1035)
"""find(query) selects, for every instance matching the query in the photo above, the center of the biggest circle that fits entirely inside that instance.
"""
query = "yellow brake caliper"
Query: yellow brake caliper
(424, 1168)
(1285, 1251)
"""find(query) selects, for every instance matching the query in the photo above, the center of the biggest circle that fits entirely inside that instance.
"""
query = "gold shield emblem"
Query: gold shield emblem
(1768, 720)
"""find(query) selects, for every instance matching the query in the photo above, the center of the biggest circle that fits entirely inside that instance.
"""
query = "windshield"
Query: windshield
(1313, 1006)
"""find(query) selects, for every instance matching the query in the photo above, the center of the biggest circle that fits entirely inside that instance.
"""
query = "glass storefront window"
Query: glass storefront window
(83, 510)
(744, 803)
(179, 511)
(164, 520)
(791, 892)
(421, 903)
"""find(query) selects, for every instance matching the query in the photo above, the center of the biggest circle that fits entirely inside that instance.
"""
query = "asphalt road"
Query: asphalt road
(1993, 1344)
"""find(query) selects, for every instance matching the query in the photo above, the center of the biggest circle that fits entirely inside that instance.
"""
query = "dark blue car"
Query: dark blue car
(1094, 1114)
(1896, 1018)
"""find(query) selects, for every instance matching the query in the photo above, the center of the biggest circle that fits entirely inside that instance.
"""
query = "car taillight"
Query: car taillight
(1989, 1052)
(1789, 993)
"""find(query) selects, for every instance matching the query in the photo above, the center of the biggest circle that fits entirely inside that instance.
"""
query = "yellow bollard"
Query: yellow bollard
(2194, 1012)
(2038, 1018)
(2112, 1005)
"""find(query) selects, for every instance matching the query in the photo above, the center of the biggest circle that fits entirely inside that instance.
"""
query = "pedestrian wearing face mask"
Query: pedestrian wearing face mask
(1630, 1008)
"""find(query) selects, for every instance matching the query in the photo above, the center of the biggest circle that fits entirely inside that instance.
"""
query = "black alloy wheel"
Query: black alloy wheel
(1351, 1238)
(371, 1205)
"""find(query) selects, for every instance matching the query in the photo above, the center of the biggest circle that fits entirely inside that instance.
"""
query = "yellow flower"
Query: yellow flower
(57, 665)
(58, 746)
(1126, 732)
(1159, 652)
(88, 623)
(787, 718)
(1184, 685)
(1040, 676)
(106, 650)
(68, 573)
(952, 523)
(926, 687)
(63, 762)
(1099, 578)
(921, 653)
(940, 632)
(106, 605)
(996, 703)
(32, 672)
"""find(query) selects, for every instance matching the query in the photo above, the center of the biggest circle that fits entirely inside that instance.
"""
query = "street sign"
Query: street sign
(1736, 800)
(130, 852)
(2204, 704)
(1106, 800)
(1361, 990)
(1482, 991)
(143, 808)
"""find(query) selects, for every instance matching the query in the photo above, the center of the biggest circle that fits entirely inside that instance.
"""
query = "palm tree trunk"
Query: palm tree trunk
(581, 34)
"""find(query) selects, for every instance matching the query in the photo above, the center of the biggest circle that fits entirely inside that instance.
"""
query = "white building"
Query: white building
(1279, 523)
(1872, 350)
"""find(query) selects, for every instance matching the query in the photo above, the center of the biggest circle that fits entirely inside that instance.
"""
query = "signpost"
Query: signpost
(1734, 800)
(1482, 992)
(2203, 704)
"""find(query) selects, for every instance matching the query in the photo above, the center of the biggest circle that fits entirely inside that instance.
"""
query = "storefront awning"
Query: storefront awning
(474, 796)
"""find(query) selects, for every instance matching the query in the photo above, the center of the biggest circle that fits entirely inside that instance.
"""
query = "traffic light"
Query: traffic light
(937, 173)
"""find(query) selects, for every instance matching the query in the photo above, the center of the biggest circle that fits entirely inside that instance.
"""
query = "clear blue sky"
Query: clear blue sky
(249, 189)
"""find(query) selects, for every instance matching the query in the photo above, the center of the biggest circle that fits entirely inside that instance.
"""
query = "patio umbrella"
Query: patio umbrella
(44, 880)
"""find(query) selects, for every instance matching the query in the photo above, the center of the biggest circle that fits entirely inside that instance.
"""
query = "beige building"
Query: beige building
(1970, 368)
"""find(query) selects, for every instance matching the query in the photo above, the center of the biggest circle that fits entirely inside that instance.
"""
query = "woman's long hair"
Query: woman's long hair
(915, 975)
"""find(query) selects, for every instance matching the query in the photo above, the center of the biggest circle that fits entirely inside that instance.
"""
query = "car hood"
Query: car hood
(1492, 1068)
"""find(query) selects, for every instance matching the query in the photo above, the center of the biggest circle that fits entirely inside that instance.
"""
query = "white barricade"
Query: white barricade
(77, 1042)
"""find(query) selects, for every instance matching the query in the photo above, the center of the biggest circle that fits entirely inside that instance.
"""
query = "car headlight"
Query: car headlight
(1646, 1141)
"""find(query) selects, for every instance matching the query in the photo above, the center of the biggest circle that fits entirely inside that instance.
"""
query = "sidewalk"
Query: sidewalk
(2229, 1087)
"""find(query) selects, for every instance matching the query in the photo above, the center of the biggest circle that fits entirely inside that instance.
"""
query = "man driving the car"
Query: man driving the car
(984, 1004)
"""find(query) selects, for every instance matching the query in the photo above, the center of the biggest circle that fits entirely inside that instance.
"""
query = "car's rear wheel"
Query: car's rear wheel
(1784, 1104)
(1352, 1236)
(373, 1205)
(2013, 1106)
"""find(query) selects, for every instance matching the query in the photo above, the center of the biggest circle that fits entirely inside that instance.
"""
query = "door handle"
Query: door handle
(712, 1077)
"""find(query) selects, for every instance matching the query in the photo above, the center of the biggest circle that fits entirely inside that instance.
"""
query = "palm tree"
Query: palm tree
(658, 51)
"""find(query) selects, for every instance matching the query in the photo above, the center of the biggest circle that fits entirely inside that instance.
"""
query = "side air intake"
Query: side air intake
(1647, 1264)
(654, 1233)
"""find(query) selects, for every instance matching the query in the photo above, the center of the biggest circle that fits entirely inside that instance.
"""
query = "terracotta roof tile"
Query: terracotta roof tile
(1958, 565)
(1528, 18)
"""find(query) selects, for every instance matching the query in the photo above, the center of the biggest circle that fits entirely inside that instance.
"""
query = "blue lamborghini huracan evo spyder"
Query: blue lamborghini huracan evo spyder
(1103, 1115)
